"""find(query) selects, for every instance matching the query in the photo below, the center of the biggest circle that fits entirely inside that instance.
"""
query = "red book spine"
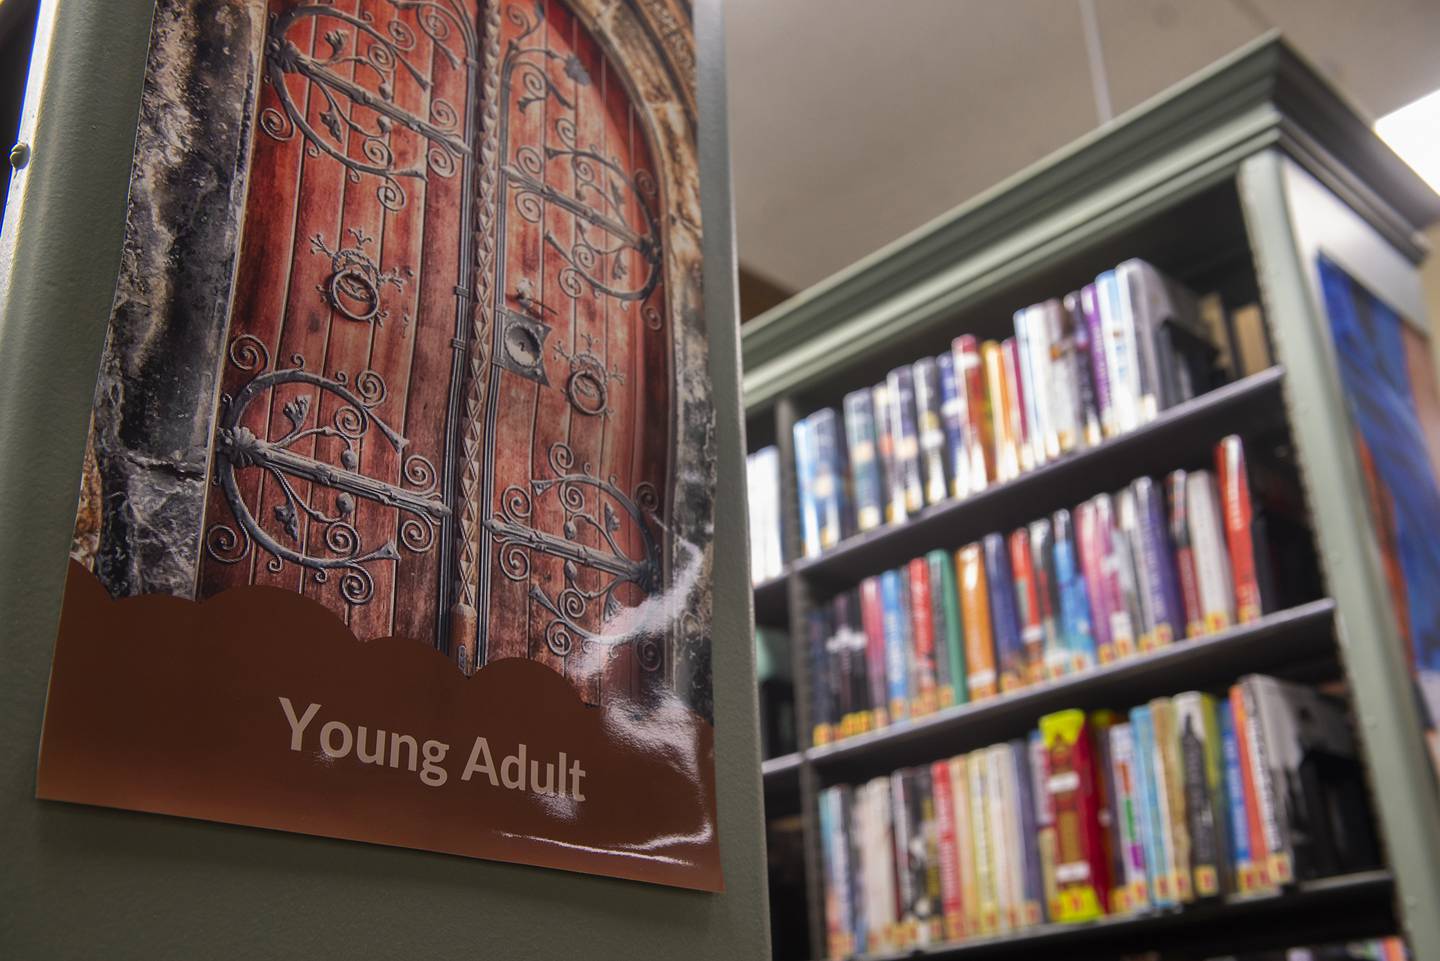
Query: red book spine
(1082, 869)
(1185, 554)
(872, 616)
(952, 909)
(1092, 566)
(1027, 604)
(1239, 518)
(924, 694)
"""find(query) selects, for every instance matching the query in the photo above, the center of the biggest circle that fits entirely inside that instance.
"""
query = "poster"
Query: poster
(395, 523)
(1388, 376)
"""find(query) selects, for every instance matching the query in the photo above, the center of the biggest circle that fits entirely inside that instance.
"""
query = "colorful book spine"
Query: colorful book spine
(1171, 779)
(1212, 559)
(1188, 578)
(872, 615)
(949, 636)
(952, 907)
(883, 406)
(805, 481)
(1088, 405)
(928, 904)
(1129, 534)
(1239, 516)
(897, 645)
(1237, 819)
(1099, 367)
(981, 669)
(1021, 424)
(1045, 839)
(1199, 737)
(981, 836)
(1027, 606)
(1033, 906)
(1121, 362)
(1073, 596)
(1133, 885)
(1118, 580)
(838, 903)
(924, 694)
(1253, 776)
(1082, 864)
(1010, 655)
(867, 483)
(1056, 656)
(905, 429)
(1092, 567)
(829, 477)
(1057, 358)
(930, 420)
(906, 858)
(1033, 375)
(971, 379)
(1166, 610)
(1152, 818)
(1002, 429)
(965, 847)
(955, 418)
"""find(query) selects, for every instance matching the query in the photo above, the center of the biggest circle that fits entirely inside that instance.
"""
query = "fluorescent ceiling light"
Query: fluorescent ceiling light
(1413, 132)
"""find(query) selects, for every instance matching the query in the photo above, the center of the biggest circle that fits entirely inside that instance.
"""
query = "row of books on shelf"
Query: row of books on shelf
(1179, 801)
(1101, 361)
(1122, 574)
(1370, 949)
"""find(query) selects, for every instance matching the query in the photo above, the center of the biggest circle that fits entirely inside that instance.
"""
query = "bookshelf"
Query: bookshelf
(1230, 182)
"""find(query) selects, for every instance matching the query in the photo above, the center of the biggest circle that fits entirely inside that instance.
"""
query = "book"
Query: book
(952, 907)
(1132, 886)
(1089, 304)
(1021, 426)
(851, 643)
(905, 431)
(1002, 424)
(1187, 576)
(1167, 615)
(1121, 361)
(1082, 863)
(981, 669)
(925, 841)
(762, 482)
(1149, 795)
(1058, 360)
(1045, 839)
(987, 894)
(1252, 345)
(872, 616)
(1032, 910)
(1091, 556)
(1073, 594)
(1076, 329)
(965, 846)
(1198, 736)
(908, 866)
(894, 484)
(828, 477)
(924, 693)
(866, 479)
(1170, 780)
(999, 819)
(1237, 819)
(1027, 608)
(1056, 659)
(948, 629)
(817, 640)
(1174, 346)
(1259, 808)
(1010, 656)
(1118, 580)
(1239, 519)
(1032, 363)
(850, 815)
(971, 378)
(1212, 557)
(880, 882)
(955, 419)
(1131, 539)
(896, 620)
(930, 421)
(805, 458)
(835, 852)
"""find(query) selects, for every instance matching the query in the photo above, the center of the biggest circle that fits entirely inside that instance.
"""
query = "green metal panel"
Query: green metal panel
(83, 882)
(1285, 236)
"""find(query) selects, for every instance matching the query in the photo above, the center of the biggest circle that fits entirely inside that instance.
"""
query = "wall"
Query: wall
(83, 882)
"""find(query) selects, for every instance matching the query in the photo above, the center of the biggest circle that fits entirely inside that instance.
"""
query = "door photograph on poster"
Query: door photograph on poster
(395, 520)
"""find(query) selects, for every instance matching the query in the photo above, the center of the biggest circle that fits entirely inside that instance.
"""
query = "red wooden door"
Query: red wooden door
(448, 381)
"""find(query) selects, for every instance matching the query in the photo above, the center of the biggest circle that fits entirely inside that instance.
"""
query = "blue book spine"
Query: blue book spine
(805, 482)
(1029, 831)
(897, 644)
(1010, 651)
(905, 431)
(1074, 597)
(829, 474)
(1237, 818)
(1152, 831)
(954, 418)
(1161, 580)
(867, 483)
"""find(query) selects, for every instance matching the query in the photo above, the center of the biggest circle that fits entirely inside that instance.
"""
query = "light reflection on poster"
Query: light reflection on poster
(1388, 375)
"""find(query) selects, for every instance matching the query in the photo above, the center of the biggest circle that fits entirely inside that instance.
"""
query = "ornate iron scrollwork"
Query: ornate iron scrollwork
(341, 546)
(374, 58)
(602, 187)
(516, 538)
(355, 282)
(588, 384)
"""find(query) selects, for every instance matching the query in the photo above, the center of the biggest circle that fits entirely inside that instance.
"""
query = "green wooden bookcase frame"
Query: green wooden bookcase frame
(1306, 171)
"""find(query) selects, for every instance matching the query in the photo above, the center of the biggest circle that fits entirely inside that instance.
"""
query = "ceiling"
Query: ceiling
(854, 121)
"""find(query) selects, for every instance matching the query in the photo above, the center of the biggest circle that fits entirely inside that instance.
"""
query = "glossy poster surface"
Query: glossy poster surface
(1388, 375)
(395, 520)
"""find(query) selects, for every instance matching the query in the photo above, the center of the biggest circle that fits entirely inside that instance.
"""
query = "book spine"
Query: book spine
(1021, 427)
(1004, 619)
(1087, 404)
(1197, 763)
(1133, 881)
(1073, 596)
(1212, 561)
(981, 674)
(952, 910)
(1001, 850)
(838, 667)
(1172, 779)
(1092, 569)
(1137, 305)
(1058, 359)
(817, 627)
(1122, 597)
(905, 860)
(1167, 612)
(885, 926)
(859, 644)
(1120, 361)
(1056, 656)
(805, 482)
(970, 376)
(955, 418)
(1006, 449)
(924, 694)
(1237, 817)
(932, 915)
(828, 484)
(872, 614)
(1239, 515)
(892, 482)
(1031, 354)
(1033, 912)
(1080, 868)
(965, 847)
(1027, 606)
(906, 432)
(866, 482)
(1045, 830)
(1129, 534)
(1252, 775)
(1189, 578)
(1148, 791)
(949, 642)
(897, 644)
(931, 423)
(1099, 366)
(854, 877)
(987, 895)
(838, 888)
